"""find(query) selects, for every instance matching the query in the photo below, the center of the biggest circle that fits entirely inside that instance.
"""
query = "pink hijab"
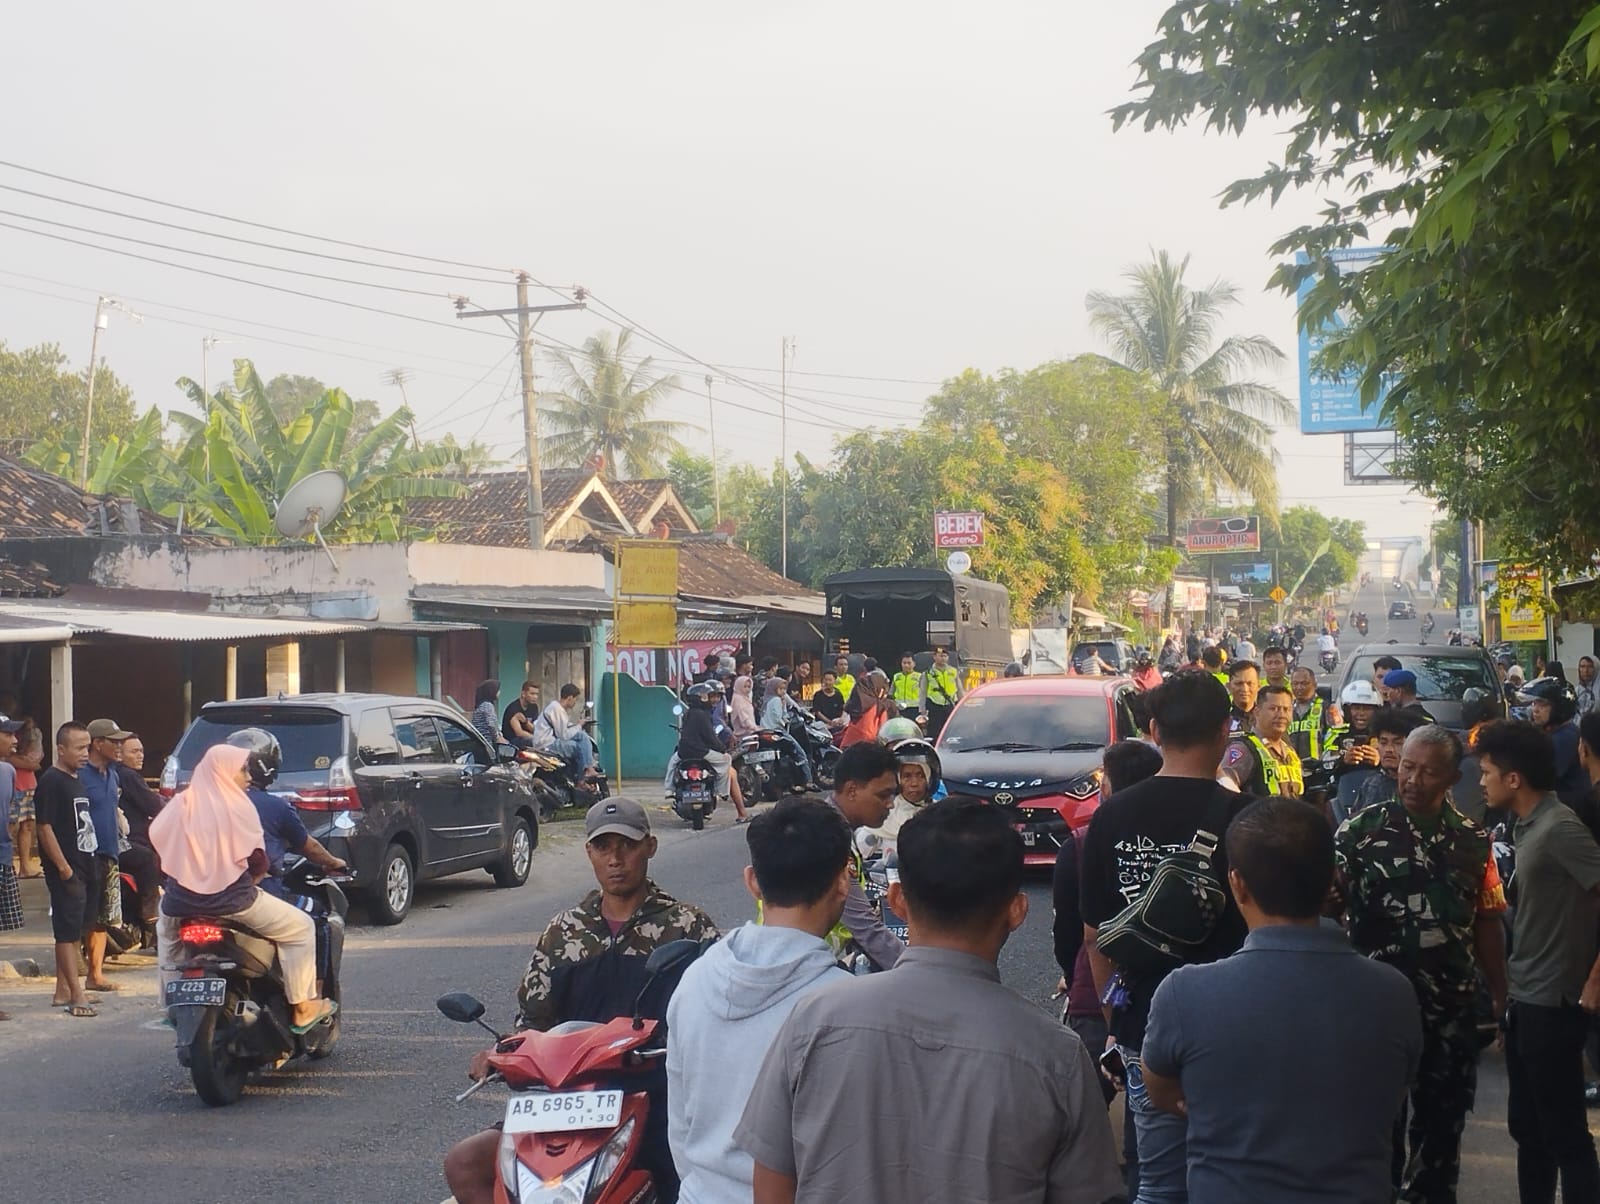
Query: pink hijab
(206, 834)
(742, 709)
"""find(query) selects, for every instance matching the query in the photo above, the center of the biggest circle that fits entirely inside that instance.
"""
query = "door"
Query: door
(428, 789)
(481, 790)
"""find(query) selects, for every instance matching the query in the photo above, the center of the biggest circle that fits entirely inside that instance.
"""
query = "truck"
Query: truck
(885, 612)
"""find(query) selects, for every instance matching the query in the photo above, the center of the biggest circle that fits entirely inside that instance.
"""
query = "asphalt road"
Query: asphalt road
(100, 1109)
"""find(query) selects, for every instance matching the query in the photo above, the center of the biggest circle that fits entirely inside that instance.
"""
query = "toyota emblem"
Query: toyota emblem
(1005, 798)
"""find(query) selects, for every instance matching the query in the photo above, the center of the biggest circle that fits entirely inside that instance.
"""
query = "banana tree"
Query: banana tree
(133, 464)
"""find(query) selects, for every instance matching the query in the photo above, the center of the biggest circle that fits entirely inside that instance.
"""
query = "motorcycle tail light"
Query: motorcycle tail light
(200, 934)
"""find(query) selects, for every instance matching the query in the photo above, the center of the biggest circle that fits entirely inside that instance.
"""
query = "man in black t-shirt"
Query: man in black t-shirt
(828, 702)
(67, 848)
(516, 725)
(1131, 833)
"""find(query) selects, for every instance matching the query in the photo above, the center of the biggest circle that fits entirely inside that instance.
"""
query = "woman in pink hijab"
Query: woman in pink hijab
(742, 710)
(212, 852)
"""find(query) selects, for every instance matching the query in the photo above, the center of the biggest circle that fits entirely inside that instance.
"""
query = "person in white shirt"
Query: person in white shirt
(1245, 649)
(556, 732)
(1326, 643)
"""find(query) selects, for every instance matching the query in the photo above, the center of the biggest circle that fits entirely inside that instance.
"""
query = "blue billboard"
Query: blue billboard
(1329, 405)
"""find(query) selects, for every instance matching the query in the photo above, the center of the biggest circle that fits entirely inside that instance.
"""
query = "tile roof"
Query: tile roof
(711, 566)
(20, 579)
(494, 510)
(638, 498)
(35, 504)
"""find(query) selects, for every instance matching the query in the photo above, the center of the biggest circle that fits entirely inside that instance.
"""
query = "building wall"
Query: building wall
(1572, 641)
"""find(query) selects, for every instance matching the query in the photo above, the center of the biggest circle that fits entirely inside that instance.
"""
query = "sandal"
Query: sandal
(329, 1010)
(103, 987)
(80, 1009)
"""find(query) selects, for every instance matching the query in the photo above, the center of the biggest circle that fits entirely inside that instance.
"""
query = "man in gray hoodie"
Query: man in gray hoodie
(731, 1003)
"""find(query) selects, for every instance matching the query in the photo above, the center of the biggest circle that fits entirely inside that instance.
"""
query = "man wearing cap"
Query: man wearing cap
(1400, 692)
(10, 896)
(589, 965)
(103, 786)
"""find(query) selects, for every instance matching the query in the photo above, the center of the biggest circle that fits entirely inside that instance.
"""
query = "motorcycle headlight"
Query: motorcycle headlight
(583, 1184)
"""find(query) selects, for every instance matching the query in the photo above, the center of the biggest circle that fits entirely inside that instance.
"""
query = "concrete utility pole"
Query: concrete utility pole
(716, 470)
(100, 323)
(530, 414)
(783, 448)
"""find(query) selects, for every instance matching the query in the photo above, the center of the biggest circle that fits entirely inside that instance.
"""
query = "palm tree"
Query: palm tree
(603, 410)
(1216, 431)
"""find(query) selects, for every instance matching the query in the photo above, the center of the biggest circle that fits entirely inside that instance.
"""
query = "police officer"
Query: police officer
(1309, 724)
(1243, 682)
(1261, 761)
(906, 688)
(941, 687)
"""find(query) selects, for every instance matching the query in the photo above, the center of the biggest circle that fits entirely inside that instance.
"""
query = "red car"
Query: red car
(1033, 745)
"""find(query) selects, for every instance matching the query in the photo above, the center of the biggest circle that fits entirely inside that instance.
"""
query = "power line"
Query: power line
(339, 242)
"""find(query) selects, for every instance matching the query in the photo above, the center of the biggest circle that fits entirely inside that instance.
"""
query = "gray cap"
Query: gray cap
(616, 814)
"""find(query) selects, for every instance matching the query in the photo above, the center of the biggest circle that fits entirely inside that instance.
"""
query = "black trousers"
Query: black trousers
(1545, 1111)
(141, 862)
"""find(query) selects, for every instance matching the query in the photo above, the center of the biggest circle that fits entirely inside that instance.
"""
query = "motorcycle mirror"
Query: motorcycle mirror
(677, 708)
(460, 1007)
(663, 960)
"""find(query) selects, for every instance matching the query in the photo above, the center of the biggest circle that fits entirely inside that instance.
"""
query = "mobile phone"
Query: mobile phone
(1111, 1062)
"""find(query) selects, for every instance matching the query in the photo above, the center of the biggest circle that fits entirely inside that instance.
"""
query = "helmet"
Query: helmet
(1478, 706)
(266, 754)
(1563, 699)
(1142, 655)
(704, 693)
(918, 751)
(897, 729)
(1014, 669)
(1361, 693)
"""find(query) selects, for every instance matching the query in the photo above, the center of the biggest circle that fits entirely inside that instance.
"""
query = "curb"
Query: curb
(24, 967)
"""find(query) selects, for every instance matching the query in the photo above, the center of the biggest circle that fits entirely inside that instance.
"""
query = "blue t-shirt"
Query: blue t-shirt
(281, 831)
(8, 787)
(104, 790)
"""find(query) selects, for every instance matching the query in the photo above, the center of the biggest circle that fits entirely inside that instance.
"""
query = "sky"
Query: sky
(905, 190)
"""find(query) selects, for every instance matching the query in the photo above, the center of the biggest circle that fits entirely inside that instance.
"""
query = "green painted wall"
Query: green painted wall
(648, 734)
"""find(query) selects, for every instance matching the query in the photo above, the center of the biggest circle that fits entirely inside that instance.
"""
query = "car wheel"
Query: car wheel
(390, 898)
(512, 869)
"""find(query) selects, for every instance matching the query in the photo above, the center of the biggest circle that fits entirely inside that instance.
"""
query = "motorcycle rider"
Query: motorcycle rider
(281, 827)
(516, 724)
(1326, 644)
(1356, 746)
(918, 779)
(1311, 721)
(1145, 674)
(556, 733)
(1552, 705)
(1244, 683)
(1261, 761)
(828, 703)
(699, 740)
(589, 964)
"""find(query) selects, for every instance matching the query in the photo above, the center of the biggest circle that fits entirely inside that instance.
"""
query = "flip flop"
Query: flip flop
(80, 1009)
(103, 988)
(330, 1009)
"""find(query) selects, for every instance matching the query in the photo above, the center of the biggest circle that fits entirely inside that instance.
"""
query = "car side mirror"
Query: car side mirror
(505, 752)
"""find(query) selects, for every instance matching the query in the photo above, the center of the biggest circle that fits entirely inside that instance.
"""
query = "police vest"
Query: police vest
(1311, 724)
(846, 683)
(942, 682)
(1222, 677)
(908, 689)
(1273, 772)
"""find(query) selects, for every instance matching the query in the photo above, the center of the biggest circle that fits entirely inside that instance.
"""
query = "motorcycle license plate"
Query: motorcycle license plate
(196, 992)
(562, 1111)
(768, 754)
(696, 794)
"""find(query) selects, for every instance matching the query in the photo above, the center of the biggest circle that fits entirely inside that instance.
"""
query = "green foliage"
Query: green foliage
(693, 479)
(289, 396)
(1469, 141)
(133, 463)
(603, 409)
(42, 399)
(1298, 536)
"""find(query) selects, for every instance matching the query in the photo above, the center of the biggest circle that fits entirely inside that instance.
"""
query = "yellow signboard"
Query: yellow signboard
(647, 625)
(1521, 617)
(1277, 594)
(647, 569)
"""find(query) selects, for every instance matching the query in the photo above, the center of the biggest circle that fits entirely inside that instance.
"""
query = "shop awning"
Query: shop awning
(1093, 618)
(176, 626)
(585, 602)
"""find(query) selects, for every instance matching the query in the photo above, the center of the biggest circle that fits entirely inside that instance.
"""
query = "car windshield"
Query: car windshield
(1027, 722)
(1441, 678)
(311, 739)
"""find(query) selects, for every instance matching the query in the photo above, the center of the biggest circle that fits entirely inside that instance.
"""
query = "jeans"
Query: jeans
(577, 751)
(1162, 1142)
(285, 925)
(1545, 1111)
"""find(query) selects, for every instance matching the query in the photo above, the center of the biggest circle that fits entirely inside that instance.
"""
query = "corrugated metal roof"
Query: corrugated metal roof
(553, 599)
(177, 626)
(703, 629)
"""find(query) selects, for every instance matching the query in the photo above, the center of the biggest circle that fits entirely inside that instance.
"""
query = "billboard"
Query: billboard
(1237, 534)
(1332, 404)
(1519, 620)
(958, 529)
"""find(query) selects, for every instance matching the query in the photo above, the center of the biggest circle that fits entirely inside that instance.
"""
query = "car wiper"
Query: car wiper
(1077, 746)
(1005, 746)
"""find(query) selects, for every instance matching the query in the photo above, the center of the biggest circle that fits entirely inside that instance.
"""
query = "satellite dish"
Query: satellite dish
(310, 502)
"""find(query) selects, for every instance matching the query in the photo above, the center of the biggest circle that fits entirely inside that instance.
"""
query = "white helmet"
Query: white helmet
(1361, 693)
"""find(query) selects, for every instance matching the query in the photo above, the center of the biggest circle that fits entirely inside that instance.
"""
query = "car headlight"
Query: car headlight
(581, 1185)
(1082, 788)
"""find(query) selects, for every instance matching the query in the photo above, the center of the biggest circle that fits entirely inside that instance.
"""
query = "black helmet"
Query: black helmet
(1142, 654)
(1014, 669)
(1563, 699)
(705, 693)
(1478, 706)
(918, 751)
(266, 754)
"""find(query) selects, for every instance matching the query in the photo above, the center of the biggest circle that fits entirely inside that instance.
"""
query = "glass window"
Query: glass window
(311, 739)
(1028, 721)
(1441, 678)
(375, 742)
(463, 744)
(419, 740)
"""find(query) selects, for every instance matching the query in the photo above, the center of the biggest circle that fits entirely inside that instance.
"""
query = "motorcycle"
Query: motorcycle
(227, 1005)
(814, 736)
(573, 1127)
(555, 782)
(757, 761)
(1361, 624)
(1329, 661)
(694, 791)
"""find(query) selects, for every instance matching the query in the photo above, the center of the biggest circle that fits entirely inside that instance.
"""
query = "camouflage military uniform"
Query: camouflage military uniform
(579, 971)
(1413, 891)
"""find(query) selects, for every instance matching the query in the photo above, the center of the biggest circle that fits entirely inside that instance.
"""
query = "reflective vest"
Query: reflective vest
(846, 684)
(908, 689)
(1311, 725)
(1274, 772)
(942, 686)
(1222, 677)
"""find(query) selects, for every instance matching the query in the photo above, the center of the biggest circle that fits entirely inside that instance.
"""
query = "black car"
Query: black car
(425, 794)
(1444, 672)
(1402, 610)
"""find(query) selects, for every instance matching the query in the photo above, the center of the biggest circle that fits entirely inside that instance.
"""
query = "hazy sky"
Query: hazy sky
(907, 189)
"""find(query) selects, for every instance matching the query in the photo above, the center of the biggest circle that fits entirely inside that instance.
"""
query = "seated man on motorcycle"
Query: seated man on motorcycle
(700, 740)
(589, 964)
(281, 828)
(213, 853)
(555, 732)
(516, 725)
(864, 784)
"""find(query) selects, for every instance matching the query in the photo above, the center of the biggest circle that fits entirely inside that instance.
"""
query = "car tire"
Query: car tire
(390, 899)
(514, 867)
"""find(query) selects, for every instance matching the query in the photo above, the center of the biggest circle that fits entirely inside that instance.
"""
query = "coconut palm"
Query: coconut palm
(1216, 431)
(603, 410)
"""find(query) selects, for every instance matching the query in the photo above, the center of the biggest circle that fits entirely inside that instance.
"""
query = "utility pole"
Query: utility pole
(783, 449)
(523, 312)
(101, 321)
(716, 470)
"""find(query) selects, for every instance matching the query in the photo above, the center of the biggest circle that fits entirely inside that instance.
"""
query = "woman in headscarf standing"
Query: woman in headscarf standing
(213, 854)
(486, 710)
(742, 710)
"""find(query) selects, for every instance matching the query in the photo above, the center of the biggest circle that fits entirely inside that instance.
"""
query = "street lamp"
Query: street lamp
(101, 321)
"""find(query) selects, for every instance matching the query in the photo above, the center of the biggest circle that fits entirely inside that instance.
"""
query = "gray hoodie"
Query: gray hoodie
(722, 1018)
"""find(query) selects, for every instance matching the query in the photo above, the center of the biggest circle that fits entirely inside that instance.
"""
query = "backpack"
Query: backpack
(1177, 911)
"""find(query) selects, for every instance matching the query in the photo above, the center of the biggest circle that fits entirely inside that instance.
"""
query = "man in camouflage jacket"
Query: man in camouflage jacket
(1421, 892)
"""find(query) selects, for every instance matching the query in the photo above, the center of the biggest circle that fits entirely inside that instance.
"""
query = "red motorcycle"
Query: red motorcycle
(572, 1128)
